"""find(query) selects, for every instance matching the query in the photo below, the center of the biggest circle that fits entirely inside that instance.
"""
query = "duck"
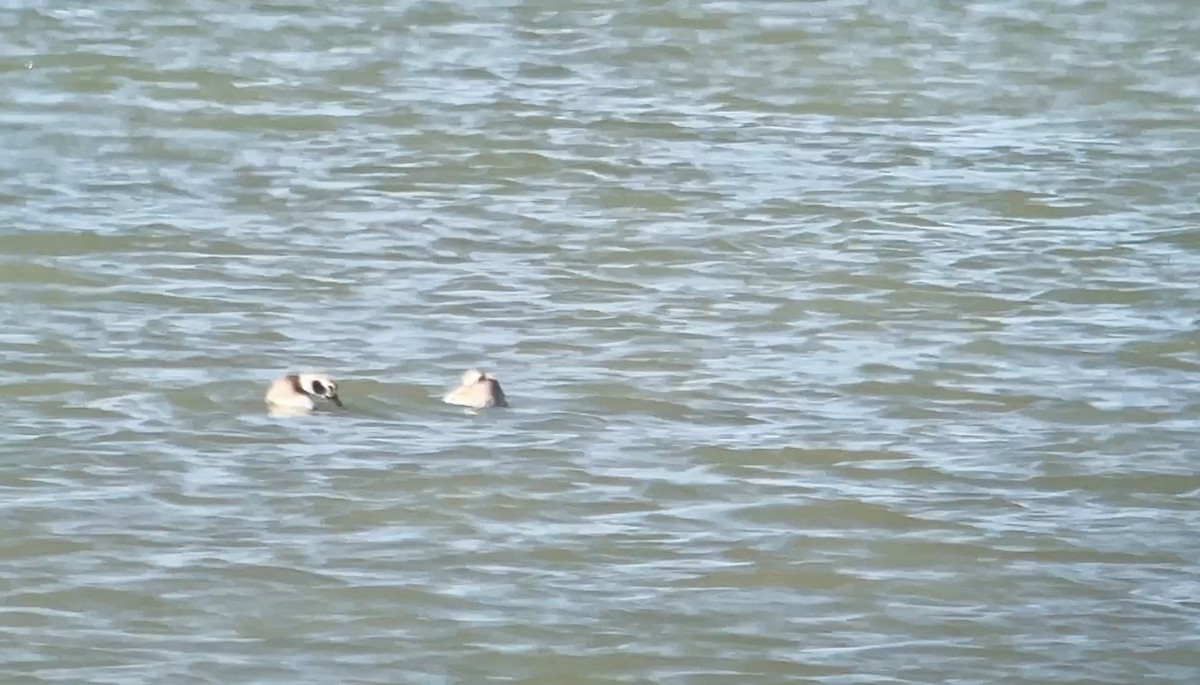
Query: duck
(479, 390)
(302, 393)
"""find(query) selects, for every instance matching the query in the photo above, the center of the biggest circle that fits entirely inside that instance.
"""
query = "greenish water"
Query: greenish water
(848, 342)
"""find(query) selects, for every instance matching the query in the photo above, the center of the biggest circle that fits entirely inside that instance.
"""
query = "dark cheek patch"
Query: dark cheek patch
(318, 388)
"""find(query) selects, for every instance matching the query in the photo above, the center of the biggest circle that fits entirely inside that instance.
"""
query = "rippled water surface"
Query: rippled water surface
(848, 342)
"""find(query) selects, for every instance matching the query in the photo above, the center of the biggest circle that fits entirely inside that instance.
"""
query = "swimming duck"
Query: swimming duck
(478, 391)
(302, 393)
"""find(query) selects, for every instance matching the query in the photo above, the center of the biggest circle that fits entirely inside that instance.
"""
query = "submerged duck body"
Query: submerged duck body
(302, 393)
(479, 390)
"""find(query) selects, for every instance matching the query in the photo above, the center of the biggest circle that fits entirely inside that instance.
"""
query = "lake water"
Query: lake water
(849, 342)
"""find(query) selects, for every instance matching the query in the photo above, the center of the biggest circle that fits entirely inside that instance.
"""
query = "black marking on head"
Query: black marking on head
(318, 388)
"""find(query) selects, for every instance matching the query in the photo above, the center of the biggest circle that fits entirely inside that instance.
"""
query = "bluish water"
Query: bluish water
(848, 342)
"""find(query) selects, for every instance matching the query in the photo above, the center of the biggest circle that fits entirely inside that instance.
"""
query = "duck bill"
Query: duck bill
(336, 400)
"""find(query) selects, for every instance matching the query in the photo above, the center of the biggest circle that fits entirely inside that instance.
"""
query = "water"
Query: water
(848, 342)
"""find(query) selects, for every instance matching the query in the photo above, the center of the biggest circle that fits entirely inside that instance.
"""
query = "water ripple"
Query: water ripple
(846, 342)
